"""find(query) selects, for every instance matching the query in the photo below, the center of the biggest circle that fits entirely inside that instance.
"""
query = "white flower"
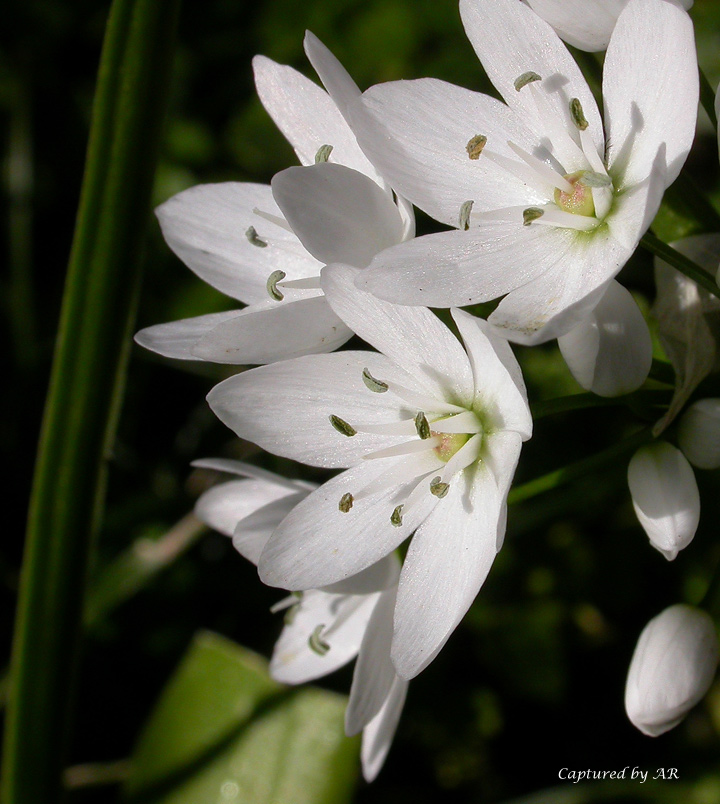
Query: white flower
(265, 246)
(610, 351)
(586, 24)
(699, 433)
(665, 496)
(431, 434)
(553, 204)
(324, 628)
(688, 320)
(673, 666)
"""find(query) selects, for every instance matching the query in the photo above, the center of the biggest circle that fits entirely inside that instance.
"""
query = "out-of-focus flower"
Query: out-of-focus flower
(673, 666)
(549, 205)
(699, 433)
(585, 24)
(665, 496)
(688, 320)
(265, 246)
(324, 628)
(610, 352)
(431, 433)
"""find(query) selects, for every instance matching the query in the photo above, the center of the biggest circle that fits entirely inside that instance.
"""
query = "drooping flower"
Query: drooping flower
(665, 496)
(585, 24)
(699, 433)
(265, 245)
(431, 433)
(673, 666)
(324, 628)
(549, 206)
(610, 351)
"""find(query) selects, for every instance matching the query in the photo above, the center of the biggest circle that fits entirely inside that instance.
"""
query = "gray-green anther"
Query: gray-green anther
(323, 154)
(525, 79)
(252, 236)
(317, 643)
(396, 516)
(422, 426)
(346, 502)
(531, 214)
(465, 211)
(475, 146)
(577, 114)
(438, 488)
(377, 386)
(272, 288)
(342, 426)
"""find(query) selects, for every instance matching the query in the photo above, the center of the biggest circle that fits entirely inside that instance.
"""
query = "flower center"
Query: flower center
(449, 444)
(580, 200)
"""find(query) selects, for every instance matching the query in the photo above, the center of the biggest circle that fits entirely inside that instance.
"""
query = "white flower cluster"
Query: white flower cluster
(546, 201)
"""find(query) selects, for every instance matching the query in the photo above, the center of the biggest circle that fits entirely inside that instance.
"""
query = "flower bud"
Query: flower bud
(699, 434)
(665, 496)
(610, 351)
(672, 668)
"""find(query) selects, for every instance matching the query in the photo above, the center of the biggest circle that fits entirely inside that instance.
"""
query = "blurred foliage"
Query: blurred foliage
(532, 681)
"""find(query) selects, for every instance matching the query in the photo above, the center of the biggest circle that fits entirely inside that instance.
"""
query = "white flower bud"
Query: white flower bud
(665, 496)
(610, 351)
(699, 434)
(672, 668)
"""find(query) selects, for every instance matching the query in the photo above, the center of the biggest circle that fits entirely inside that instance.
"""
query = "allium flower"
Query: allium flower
(548, 205)
(265, 246)
(699, 433)
(324, 628)
(431, 433)
(610, 351)
(586, 24)
(665, 496)
(672, 668)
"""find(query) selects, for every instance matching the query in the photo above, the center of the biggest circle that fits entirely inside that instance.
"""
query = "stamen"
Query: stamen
(317, 643)
(438, 488)
(406, 448)
(568, 220)
(422, 426)
(577, 114)
(465, 422)
(532, 214)
(522, 171)
(590, 152)
(525, 79)
(405, 427)
(290, 614)
(342, 426)
(291, 600)
(421, 401)
(271, 285)
(592, 179)
(407, 470)
(465, 211)
(323, 154)
(396, 516)
(475, 146)
(376, 386)
(252, 236)
(346, 503)
(306, 283)
(551, 176)
(276, 219)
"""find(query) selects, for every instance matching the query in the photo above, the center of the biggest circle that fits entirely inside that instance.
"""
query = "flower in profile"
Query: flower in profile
(324, 628)
(585, 24)
(429, 434)
(548, 204)
(265, 245)
(665, 496)
(673, 666)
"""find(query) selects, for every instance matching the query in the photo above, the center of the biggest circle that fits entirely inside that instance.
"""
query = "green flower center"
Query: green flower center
(580, 201)
(449, 444)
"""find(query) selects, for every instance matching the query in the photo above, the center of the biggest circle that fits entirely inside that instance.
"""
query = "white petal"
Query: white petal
(699, 433)
(610, 352)
(585, 24)
(379, 733)
(447, 563)
(672, 668)
(307, 116)
(248, 470)
(633, 210)
(252, 533)
(650, 87)
(276, 331)
(381, 575)
(339, 214)
(665, 496)
(224, 505)
(417, 133)
(521, 42)
(454, 269)
(286, 407)
(318, 545)
(413, 338)
(178, 338)
(499, 389)
(206, 227)
(374, 672)
(295, 662)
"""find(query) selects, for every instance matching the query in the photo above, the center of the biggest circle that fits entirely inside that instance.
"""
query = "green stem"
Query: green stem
(581, 468)
(84, 393)
(707, 99)
(680, 262)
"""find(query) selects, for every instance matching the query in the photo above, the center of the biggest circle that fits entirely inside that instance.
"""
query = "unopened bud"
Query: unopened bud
(699, 434)
(673, 666)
